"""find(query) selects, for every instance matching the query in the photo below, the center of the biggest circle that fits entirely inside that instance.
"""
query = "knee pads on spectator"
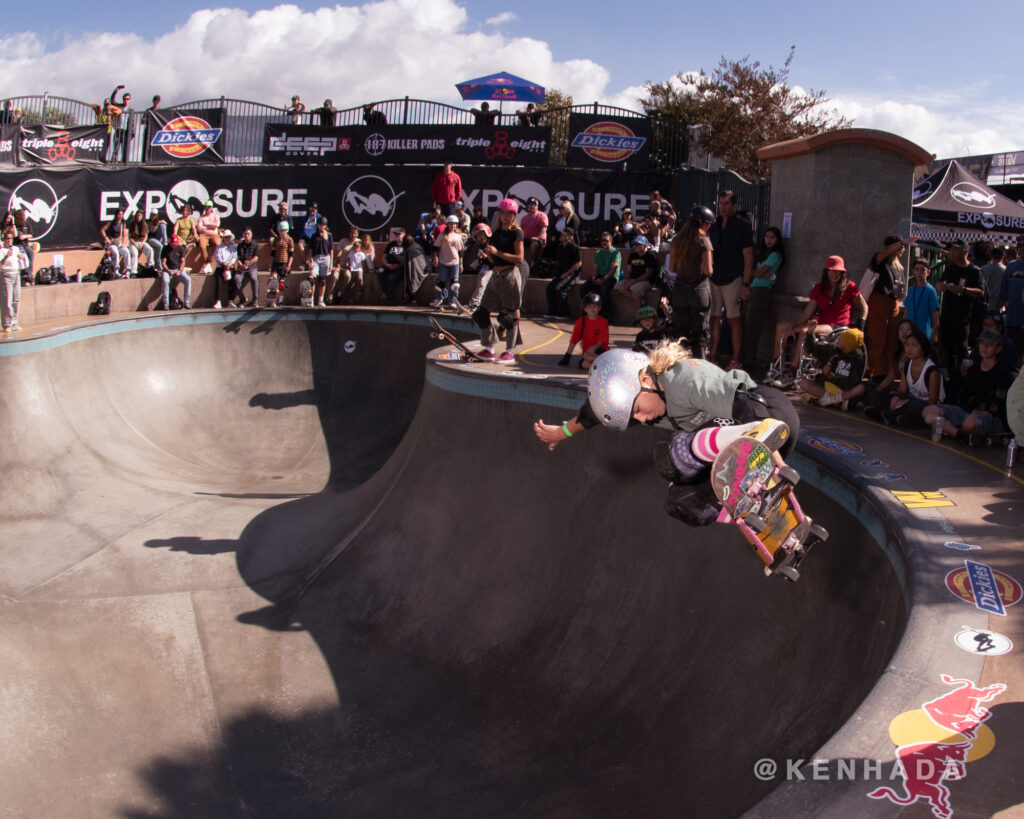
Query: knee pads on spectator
(454, 288)
(507, 319)
(482, 318)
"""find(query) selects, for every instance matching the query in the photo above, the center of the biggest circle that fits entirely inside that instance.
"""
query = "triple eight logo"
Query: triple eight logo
(185, 137)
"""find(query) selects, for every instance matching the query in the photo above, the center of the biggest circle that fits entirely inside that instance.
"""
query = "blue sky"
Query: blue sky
(926, 71)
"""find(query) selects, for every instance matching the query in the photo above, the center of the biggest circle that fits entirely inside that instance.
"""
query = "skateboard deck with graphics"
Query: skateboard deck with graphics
(757, 496)
(446, 335)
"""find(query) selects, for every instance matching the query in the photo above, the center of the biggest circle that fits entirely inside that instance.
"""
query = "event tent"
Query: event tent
(952, 204)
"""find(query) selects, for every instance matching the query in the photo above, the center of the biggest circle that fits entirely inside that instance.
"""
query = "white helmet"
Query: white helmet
(613, 385)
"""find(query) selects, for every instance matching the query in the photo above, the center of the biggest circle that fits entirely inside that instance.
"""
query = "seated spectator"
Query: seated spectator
(841, 377)
(534, 224)
(208, 232)
(640, 273)
(569, 260)
(981, 409)
(878, 394)
(650, 335)
(185, 227)
(392, 265)
(653, 228)
(308, 229)
(325, 113)
(833, 300)
(322, 268)
(173, 273)
(115, 239)
(224, 257)
(1008, 356)
(590, 331)
(157, 237)
(373, 117)
(464, 222)
(484, 115)
(530, 117)
(138, 236)
(920, 385)
(624, 231)
(565, 217)
(607, 268)
(246, 263)
(922, 302)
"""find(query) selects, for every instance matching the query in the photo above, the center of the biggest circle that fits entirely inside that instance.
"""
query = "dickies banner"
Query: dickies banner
(179, 136)
(53, 145)
(398, 144)
(66, 207)
(597, 141)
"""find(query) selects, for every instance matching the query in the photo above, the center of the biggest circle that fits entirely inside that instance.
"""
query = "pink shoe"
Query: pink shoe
(733, 365)
(486, 355)
(507, 357)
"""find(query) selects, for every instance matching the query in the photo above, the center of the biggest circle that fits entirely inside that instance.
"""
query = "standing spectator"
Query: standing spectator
(733, 241)
(23, 236)
(325, 113)
(770, 258)
(960, 286)
(224, 257)
(1011, 298)
(9, 115)
(392, 265)
(373, 117)
(208, 231)
(449, 246)
(296, 109)
(690, 264)
(246, 268)
(351, 268)
(138, 235)
(124, 128)
(570, 261)
(475, 260)
(172, 272)
(447, 189)
(885, 304)
(535, 229)
(922, 302)
(308, 227)
(607, 268)
(641, 270)
(530, 117)
(11, 261)
(322, 270)
(992, 269)
(414, 267)
(504, 292)
(155, 104)
(282, 251)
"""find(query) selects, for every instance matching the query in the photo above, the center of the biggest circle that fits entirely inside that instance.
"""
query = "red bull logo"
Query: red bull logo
(608, 142)
(185, 137)
(936, 742)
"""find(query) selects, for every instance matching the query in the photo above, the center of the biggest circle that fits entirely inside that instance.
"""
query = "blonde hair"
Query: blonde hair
(666, 354)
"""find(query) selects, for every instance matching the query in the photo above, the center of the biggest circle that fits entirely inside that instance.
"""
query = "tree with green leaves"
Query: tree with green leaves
(741, 107)
(557, 107)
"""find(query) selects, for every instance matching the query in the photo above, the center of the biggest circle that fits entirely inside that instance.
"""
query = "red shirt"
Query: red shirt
(591, 331)
(447, 188)
(834, 313)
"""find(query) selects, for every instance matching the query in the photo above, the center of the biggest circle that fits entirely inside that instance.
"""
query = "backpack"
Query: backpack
(100, 307)
(44, 275)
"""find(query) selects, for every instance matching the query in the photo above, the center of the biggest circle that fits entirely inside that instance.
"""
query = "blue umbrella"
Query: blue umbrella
(501, 86)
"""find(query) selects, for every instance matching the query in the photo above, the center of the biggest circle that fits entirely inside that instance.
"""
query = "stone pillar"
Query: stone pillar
(845, 191)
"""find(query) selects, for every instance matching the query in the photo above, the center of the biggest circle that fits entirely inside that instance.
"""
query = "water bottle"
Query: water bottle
(1011, 453)
(78, 276)
(937, 425)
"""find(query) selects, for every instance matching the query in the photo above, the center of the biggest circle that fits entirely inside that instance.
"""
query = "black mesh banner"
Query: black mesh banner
(59, 145)
(8, 142)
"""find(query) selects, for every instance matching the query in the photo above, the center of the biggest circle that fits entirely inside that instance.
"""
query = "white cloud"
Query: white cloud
(504, 17)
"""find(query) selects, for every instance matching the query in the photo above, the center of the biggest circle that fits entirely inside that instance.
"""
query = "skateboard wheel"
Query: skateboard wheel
(755, 522)
(819, 532)
(789, 475)
(788, 572)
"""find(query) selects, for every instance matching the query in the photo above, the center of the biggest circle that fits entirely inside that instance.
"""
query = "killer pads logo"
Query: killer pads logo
(186, 137)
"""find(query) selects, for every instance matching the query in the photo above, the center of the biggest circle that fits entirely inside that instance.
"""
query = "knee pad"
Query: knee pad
(454, 287)
(482, 318)
(693, 505)
(507, 319)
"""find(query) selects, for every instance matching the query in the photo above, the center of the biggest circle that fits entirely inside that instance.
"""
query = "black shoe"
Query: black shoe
(663, 462)
(976, 440)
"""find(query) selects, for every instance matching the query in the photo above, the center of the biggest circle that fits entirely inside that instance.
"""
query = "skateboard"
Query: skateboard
(757, 496)
(452, 307)
(273, 286)
(306, 293)
(446, 335)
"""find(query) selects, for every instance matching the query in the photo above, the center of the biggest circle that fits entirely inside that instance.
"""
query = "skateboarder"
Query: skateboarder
(706, 406)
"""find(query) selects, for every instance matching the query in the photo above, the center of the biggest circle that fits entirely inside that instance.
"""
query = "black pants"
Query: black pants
(690, 302)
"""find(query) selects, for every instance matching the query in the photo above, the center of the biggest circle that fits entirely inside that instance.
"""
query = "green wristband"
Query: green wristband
(565, 429)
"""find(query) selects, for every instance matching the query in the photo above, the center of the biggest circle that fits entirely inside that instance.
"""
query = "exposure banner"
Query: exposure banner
(180, 136)
(59, 145)
(400, 144)
(597, 141)
(66, 208)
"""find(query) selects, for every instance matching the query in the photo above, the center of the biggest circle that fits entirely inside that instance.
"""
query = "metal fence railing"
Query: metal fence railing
(244, 123)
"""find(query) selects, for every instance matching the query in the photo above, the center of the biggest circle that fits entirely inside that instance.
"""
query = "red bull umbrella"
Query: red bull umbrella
(501, 86)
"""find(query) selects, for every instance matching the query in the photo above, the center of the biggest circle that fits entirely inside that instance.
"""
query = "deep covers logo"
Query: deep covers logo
(185, 137)
(40, 203)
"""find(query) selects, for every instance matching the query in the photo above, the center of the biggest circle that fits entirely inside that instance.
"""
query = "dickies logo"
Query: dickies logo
(608, 142)
(185, 137)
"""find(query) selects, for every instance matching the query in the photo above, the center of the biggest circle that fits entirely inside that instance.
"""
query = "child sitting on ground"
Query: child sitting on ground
(590, 331)
(841, 376)
(650, 335)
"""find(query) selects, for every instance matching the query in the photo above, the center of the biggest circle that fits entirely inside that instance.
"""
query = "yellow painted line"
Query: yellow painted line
(921, 500)
(559, 334)
(1001, 471)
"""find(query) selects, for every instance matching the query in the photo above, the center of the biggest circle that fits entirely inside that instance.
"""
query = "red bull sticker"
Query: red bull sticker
(986, 588)
(608, 141)
(833, 447)
(935, 743)
(186, 136)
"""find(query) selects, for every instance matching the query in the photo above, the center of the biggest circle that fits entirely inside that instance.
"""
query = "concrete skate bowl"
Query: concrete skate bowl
(262, 566)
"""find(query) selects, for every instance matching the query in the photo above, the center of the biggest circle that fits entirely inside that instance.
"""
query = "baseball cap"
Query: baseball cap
(835, 263)
(992, 337)
(642, 241)
(175, 239)
(850, 340)
(646, 312)
(960, 243)
(533, 200)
